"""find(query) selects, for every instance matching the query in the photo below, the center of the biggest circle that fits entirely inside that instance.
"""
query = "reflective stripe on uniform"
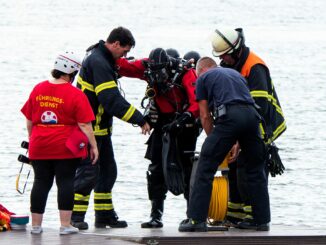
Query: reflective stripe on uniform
(279, 130)
(101, 195)
(234, 205)
(80, 208)
(247, 209)
(98, 118)
(79, 197)
(85, 85)
(103, 86)
(269, 97)
(103, 206)
(103, 201)
(129, 113)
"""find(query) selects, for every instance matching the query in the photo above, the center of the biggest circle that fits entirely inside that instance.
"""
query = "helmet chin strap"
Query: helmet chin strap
(235, 51)
(236, 55)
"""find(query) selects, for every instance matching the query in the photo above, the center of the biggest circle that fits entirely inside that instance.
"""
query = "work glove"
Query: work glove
(275, 165)
(151, 113)
(178, 124)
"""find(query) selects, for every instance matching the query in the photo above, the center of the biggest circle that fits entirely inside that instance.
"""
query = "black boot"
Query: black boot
(156, 215)
(190, 225)
(78, 221)
(109, 219)
(250, 224)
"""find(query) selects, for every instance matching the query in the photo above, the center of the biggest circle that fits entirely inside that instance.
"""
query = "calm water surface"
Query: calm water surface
(289, 36)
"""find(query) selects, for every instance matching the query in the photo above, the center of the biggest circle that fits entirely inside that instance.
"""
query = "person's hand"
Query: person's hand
(234, 153)
(93, 154)
(146, 129)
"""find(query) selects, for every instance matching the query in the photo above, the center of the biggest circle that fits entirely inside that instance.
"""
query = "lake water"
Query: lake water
(288, 35)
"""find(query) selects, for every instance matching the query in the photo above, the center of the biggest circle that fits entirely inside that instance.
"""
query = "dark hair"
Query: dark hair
(123, 35)
(57, 74)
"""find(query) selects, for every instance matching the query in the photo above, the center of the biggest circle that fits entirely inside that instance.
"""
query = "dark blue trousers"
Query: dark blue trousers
(241, 123)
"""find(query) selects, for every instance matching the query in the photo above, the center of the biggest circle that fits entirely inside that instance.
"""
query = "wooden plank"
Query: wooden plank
(169, 235)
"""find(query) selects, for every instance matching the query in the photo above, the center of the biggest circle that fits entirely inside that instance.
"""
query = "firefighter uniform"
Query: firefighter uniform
(98, 80)
(262, 90)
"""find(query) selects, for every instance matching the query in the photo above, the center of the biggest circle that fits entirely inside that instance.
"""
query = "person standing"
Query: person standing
(229, 46)
(223, 92)
(59, 128)
(172, 110)
(98, 80)
(172, 113)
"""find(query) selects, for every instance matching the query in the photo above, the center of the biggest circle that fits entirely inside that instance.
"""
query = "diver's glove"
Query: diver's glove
(179, 123)
(275, 165)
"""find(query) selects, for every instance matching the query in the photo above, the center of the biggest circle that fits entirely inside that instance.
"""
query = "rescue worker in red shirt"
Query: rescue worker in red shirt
(229, 46)
(58, 117)
(172, 109)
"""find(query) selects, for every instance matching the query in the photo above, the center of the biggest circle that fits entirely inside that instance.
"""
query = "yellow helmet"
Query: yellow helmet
(226, 41)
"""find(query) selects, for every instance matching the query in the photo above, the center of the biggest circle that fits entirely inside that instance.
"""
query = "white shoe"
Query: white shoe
(65, 230)
(36, 229)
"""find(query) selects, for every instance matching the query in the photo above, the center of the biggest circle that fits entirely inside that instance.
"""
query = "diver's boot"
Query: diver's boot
(156, 215)
(109, 218)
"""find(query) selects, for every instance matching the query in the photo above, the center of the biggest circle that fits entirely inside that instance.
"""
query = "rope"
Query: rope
(219, 200)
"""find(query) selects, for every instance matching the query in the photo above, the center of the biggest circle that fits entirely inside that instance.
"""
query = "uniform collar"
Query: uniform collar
(243, 57)
(107, 53)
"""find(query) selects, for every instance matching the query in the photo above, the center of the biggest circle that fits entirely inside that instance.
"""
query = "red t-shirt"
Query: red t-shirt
(55, 110)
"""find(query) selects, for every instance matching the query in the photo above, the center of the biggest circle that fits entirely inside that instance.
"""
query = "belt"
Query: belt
(222, 109)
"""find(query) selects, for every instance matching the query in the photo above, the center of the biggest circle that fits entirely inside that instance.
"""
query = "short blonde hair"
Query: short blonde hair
(204, 64)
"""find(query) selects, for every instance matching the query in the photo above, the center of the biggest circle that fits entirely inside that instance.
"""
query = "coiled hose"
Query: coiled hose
(219, 200)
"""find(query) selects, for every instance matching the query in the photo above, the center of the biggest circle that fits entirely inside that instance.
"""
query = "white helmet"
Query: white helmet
(226, 41)
(67, 62)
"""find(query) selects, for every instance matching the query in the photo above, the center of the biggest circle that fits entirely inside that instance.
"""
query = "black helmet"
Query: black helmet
(172, 53)
(192, 55)
(158, 59)
(159, 65)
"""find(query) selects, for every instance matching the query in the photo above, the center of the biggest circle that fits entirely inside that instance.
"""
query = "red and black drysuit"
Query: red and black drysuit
(169, 102)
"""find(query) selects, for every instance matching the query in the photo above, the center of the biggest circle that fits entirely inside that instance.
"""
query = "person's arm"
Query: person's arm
(131, 68)
(260, 85)
(109, 96)
(29, 126)
(87, 129)
(189, 84)
(205, 116)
